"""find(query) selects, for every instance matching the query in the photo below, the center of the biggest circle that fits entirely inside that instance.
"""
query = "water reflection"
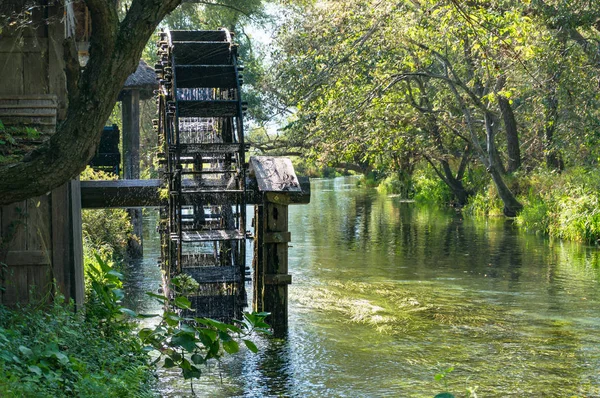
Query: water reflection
(386, 294)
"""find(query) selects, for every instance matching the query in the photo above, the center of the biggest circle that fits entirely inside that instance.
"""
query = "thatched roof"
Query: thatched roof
(144, 79)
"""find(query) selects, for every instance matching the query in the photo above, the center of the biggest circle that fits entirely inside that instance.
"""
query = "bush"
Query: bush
(429, 188)
(563, 205)
(486, 203)
(106, 231)
(60, 353)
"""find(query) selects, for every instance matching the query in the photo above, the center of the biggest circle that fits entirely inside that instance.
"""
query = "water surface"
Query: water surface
(387, 294)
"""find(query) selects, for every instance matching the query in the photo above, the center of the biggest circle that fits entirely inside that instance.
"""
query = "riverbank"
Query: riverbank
(52, 351)
(558, 205)
(562, 205)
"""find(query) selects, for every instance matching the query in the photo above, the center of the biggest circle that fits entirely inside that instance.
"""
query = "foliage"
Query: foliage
(188, 342)
(56, 352)
(304, 167)
(106, 231)
(563, 205)
(441, 377)
(15, 142)
(430, 189)
(104, 295)
(393, 185)
(388, 85)
(485, 203)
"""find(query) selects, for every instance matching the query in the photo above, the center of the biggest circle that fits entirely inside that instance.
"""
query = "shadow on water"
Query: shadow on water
(386, 294)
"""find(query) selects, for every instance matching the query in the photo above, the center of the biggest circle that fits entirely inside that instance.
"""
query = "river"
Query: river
(386, 295)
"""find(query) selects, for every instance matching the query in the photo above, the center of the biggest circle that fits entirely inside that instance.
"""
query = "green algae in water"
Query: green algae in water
(496, 350)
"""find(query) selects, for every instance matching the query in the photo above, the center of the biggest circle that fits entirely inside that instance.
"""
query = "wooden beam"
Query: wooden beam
(146, 193)
(121, 193)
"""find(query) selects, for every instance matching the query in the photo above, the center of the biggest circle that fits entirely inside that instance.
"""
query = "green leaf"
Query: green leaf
(224, 336)
(145, 316)
(35, 369)
(185, 340)
(207, 337)
(26, 352)
(62, 358)
(183, 303)
(231, 347)
(171, 318)
(157, 296)
(115, 274)
(185, 364)
(128, 312)
(197, 359)
(169, 363)
(192, 373)
(251, 346)
(119, 294)
(444, 395)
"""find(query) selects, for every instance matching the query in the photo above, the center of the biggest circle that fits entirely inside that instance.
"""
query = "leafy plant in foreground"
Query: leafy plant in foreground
(188, 342)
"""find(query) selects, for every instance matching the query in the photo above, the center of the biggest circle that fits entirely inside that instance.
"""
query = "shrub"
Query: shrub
(563, 205)
(429, 188)
(106, 231)
(485, 203)
(60, 353)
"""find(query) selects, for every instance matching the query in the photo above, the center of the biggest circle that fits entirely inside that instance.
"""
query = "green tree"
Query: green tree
(495, 83)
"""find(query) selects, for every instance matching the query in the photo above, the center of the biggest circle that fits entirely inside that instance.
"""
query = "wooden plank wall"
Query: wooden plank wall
(31, 59)
(27, 273)
(40, 238)
(41, 244)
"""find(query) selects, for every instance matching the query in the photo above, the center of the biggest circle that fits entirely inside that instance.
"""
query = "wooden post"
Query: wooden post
(258, 260)
(278, 187)
(271, 264)
(131, 155)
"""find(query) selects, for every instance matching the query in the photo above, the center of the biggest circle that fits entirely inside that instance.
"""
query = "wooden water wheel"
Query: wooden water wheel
(201, 137)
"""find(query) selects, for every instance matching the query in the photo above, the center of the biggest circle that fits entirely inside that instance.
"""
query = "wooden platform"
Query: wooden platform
(146, 193)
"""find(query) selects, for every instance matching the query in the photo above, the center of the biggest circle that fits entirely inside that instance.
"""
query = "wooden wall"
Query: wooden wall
(41, 244)
(31, 59)
(40, 239)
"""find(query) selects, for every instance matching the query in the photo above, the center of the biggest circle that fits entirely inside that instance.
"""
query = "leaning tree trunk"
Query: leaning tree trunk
(115, 50)
(512, 135)
(511, 205)
(447, 176)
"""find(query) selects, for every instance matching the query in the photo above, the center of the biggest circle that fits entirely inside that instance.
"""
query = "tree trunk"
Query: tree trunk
(115, 50)
(511, 205)
(512, 135)
(553, 157)
(454, 183)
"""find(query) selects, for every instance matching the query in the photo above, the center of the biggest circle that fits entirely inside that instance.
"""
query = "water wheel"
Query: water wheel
(201, 137)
